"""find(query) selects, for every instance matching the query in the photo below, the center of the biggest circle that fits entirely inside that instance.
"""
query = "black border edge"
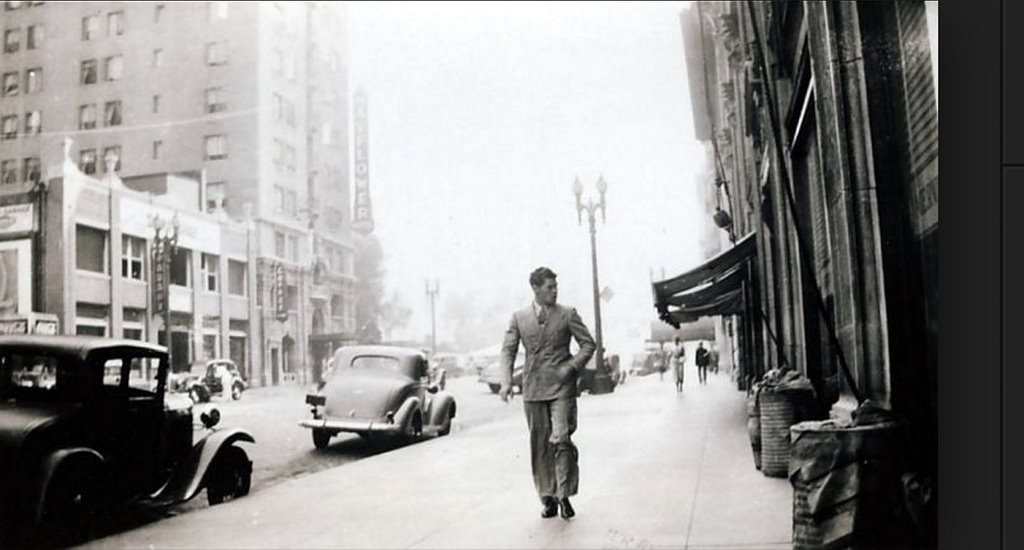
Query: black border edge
(971, 353)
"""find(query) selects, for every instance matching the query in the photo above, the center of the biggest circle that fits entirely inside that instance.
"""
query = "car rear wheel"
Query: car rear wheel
(230, 476)
(495, 388)
(321, 438)
(72, 502)
(446, 428)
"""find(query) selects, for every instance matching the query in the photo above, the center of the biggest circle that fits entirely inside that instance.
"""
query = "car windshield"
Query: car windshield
(27, 373)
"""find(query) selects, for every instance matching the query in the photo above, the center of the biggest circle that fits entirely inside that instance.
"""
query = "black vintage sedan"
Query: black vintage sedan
(378, 390)
(99, 433)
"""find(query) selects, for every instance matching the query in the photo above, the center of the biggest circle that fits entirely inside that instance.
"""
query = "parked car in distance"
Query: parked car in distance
(383, 390)
(205, 380)
(100, 436)
(491, 374)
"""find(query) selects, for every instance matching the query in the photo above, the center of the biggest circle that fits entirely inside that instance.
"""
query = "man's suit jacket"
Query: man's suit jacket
(550, 371)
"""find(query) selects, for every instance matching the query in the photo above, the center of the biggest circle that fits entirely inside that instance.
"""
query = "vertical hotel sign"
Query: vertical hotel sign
(362, 221)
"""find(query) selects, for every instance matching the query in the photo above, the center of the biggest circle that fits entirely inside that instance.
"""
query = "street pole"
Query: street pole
(599, 354)
(432, 293)
(602, 379)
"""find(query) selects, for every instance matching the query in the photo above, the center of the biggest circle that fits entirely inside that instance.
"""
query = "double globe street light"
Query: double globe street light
(602, 380)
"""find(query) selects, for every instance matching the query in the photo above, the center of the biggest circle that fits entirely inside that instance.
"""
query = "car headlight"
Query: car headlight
(390, 417)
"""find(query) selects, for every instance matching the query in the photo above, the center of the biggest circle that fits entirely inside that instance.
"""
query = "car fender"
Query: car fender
(190, 477)
(439, 405)
(50, 466)
(405, 412)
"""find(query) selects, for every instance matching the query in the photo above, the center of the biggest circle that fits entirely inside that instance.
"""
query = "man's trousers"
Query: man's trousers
(553, 456)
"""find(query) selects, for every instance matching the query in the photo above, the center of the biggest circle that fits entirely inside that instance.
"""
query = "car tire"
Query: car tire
(236, 391)
(321, 439)
(71, 504)
(229, 477)
(495, 388)
(446, 427)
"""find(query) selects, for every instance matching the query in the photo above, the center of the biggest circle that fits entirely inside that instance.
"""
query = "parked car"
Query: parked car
(378, 390)
(206, 380)
(99, 436)
(491, 374)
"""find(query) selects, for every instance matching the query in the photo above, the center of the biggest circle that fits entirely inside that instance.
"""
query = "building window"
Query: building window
(291, 203)
(9, 125)
(278, 62)
(210, 346)
(289, 113)
(278, 106)
(216, 147)
(33, 122)
(33, 170)
(36, 37)
(210, 267)
(12, 40)
(158, 11)
(279, 244)
(156, 149)
(116, 151)
(89, 71)
(86, 117)
(217, 10)
(156, 103)
(114, 67)
(237, 280)
(133, 250)
(10, 84)
(216, 53)
(158, 57)
(279, 199)
(90, 27)
(91, 249)
(215, 100)
(9, 172)
(112, 113)
(180, 267)
(291, 298)
(33, 80)
(214, 195)
(293, 248)
(115, 23)
(87, 161)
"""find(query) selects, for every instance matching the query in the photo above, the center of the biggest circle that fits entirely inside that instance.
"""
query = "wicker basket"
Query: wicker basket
(777, 414)
(754, 428)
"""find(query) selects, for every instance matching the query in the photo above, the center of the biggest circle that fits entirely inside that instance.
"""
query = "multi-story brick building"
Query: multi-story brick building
(251, 96)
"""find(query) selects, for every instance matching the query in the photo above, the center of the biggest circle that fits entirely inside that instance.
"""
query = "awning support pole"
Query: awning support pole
(805, 260)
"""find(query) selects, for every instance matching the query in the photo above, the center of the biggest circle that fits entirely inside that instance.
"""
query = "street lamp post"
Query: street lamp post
(165, 241)
(432, 292)
(602, 379)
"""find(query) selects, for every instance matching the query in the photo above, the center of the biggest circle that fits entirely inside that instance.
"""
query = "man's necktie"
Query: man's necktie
(542, 316)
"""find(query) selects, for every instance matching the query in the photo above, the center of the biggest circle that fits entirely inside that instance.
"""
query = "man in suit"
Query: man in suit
(549, 388)
(701, 358)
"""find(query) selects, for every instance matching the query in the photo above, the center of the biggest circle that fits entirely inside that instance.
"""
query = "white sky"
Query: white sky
(480, 117)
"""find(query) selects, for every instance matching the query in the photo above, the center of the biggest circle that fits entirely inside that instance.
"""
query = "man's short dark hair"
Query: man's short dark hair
(541, 274)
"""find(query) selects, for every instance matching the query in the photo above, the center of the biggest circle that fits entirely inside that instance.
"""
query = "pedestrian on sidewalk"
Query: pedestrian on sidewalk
(678, 361)
(549, 388)
(701, 357)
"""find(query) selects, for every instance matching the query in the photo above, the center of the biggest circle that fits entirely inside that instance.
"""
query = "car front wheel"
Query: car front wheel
(321, 438)
(230, 476)
(446, 428)
(236, 391)
(495, 388)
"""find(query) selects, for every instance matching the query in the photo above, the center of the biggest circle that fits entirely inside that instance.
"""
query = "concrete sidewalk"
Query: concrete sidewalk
(658, 470)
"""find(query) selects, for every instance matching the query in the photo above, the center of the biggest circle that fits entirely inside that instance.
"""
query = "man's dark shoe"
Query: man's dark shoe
(567, 511)
(550, 507)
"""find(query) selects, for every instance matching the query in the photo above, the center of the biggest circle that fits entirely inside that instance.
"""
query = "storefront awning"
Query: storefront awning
(713, 288)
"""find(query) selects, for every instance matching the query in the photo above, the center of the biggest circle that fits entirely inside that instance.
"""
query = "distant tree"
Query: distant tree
(394, 314)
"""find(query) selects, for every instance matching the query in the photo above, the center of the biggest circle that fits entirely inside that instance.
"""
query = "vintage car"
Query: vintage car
(205, 380)
(378, 390)
(491, 374)
(100, 436)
